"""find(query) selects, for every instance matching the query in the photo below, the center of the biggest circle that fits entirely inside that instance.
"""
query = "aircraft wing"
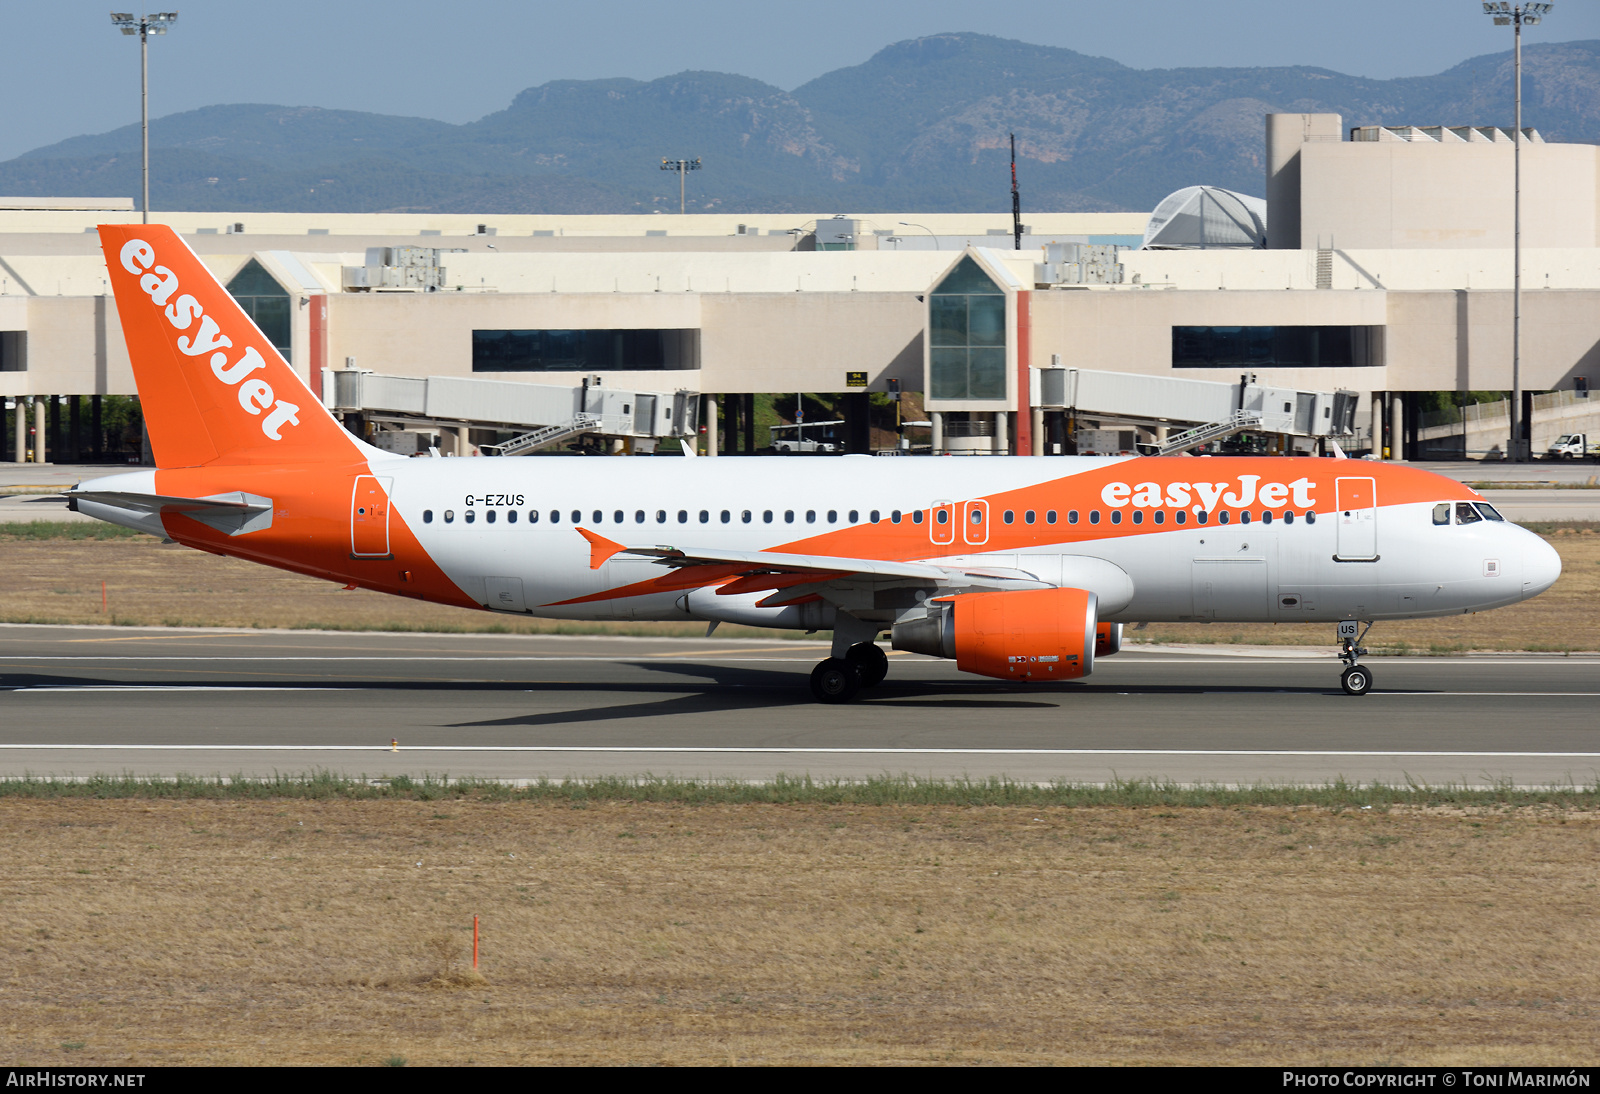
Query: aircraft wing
(800, 575)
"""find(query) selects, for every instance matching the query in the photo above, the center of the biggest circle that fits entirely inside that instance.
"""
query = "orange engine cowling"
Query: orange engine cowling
(1037, 634)
(1107, 639)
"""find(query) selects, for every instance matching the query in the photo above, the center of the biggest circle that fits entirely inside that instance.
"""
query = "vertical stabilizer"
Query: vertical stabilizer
(212, 388)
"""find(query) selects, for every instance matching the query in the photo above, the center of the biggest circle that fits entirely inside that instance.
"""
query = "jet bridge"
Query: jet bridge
(1214, 410)
(539, 414)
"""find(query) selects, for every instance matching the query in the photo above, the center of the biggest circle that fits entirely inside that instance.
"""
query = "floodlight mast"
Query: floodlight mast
(144, 26)
(683, 167)
(1506, 13)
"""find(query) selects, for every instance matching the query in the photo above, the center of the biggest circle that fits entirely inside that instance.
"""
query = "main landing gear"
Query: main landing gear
(838, 679)
(1356, 679)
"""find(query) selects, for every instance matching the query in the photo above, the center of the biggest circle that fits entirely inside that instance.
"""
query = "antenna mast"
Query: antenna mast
(1016, 199)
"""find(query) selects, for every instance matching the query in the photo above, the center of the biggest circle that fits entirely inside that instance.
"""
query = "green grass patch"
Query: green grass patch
(66, 529)
(790, 789)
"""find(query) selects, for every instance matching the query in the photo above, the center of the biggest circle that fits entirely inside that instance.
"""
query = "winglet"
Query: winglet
(688, 449)
(600, 548)
(1338, 453)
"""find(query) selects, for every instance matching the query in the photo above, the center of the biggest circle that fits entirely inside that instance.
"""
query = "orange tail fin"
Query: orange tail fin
(212, 388)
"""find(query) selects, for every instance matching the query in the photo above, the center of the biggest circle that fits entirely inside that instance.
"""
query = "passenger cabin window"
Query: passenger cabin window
(661, 516)
(683, 516)
(555, 516)
(811, 516)
(489, 516)
(1116, 516)
(894, 516)
(705, 516)
(1288, 516)
(1094, 516)
(511, 516)
(1050, 517)
(744, 516)
(599, 517)
(942, 516)
(1466, 514)
(766, 516)
(533, 516)
(788, 516)
(1441, 513)
(618, 516)
(725, 516)
(873, 516)
(449, 516)
(1072, 516)
(471, 516)
(1009, 517)
(427, 516)
(916, 517)
(1180, 517)
(638, 516)
(833, 516)
(1160, 516)
(1311, 516)
(1138, 516)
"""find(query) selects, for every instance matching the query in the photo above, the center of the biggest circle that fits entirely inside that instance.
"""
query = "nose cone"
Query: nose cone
(1540, 566)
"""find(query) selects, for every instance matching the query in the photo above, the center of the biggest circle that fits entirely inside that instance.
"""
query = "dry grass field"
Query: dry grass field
(249, 932)
(147, 583)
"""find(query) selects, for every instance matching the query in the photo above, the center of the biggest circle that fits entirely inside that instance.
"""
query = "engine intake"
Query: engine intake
(1037, 634)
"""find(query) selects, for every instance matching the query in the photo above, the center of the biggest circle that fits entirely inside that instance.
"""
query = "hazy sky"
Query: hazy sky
(69, 72)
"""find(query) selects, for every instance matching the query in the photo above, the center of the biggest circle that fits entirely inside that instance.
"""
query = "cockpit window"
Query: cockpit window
(1466, 514)
(1489, 511)
(1441, 513)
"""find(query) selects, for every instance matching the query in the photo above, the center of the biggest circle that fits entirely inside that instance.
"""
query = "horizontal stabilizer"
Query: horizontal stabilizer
(235, 513)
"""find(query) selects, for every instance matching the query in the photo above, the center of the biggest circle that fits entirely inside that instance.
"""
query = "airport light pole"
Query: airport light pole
(925, 228)
(1506, 13)
(683, 167)
(144, 26)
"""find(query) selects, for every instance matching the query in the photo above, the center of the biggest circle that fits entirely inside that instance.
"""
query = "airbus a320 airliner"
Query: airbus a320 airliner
(1023, 569)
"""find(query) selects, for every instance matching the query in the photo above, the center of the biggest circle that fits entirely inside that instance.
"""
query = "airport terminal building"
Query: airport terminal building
(1378, 264)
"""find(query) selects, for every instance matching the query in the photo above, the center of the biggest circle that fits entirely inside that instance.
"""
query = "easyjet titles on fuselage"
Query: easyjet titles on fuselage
(160, 283)
(1205, 496)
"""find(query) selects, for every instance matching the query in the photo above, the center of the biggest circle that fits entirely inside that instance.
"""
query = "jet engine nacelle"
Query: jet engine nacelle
(1036, 634)
(1107, 639)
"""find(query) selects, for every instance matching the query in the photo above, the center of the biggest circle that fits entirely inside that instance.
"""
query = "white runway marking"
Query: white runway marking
(64, 688)
(815, 751)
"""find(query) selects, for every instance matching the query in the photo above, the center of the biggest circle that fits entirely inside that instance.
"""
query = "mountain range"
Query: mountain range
(921, 125)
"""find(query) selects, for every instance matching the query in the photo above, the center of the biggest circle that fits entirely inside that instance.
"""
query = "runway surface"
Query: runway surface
(81, 700)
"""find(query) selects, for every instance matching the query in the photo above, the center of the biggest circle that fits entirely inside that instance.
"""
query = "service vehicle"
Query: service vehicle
(1572, 446)
(807, 438)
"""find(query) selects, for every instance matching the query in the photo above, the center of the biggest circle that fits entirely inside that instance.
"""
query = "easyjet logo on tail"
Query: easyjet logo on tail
(183, 312)
(1245, 491)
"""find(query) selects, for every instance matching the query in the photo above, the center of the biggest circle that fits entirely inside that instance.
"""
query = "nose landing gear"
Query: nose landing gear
(1355, 679)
